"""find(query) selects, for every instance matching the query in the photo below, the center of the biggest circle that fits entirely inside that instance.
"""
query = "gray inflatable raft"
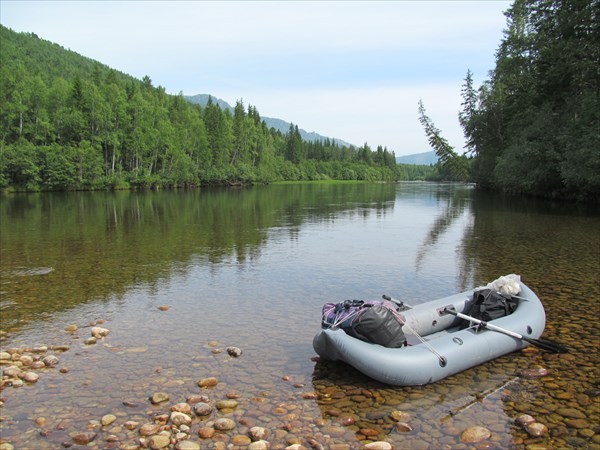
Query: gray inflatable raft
(447, 349)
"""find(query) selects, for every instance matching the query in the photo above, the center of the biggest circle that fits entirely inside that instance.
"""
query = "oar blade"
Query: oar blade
(550, 346)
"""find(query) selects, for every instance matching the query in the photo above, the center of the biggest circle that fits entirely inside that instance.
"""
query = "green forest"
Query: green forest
(70, 123)
(534, 126)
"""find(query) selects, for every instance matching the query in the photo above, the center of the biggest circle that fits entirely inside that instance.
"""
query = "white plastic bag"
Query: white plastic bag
(508, 284)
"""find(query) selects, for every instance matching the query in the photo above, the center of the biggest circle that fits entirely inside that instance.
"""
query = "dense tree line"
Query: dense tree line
(534, 126)
(68, 122)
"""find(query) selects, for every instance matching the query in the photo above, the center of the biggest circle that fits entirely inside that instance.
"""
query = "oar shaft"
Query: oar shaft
(546, 345)
(487, 324)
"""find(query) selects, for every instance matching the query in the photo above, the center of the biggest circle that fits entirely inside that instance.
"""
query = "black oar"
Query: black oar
(546, 345)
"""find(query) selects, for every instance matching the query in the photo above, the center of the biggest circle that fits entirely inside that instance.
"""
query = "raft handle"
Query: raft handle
(445, 310)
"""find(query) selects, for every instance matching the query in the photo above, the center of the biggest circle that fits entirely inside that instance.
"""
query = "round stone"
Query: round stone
(224, 424)
(399, 416)
(377, 445)
(534, 373)
(524, 419)
(159, 397)
(475, 434)
(403, 427)
(31, 377)
(234, 351)
(159, 441)
(208, 382)
(227, 404)
(257, 433)
(149, 429)
(536, 429)
(259, 445)
(179, 418)
(84, 438)
(187, 445)
(182, 407)
(108, 419)
(206, 432)
(202, 409)
(99, 332)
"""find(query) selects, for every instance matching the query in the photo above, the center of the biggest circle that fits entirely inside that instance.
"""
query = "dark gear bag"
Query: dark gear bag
(374, 321)
(488, 304)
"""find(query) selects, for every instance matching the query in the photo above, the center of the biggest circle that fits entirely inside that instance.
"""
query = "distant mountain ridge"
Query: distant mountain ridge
(420, 159)
(278, 124)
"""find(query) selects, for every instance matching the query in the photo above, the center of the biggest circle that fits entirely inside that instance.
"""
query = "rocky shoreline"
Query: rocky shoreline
(218, 417)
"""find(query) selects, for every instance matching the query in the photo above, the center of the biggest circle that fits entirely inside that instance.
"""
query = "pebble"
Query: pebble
(227, 404)
(84, 438)
(149, 429)
(38, 365)
(41, 421)
(377, 445)
(159, 441)
(346, 421)
(224, 424)
(234, 351)
(475, 434)
(577, 423)
(399, 416)
(259, 445)
(534, 373)
(182, 407)
(257, 433)
(179, 418)
(31, 377)
(108, 419)
(208, 382)
(536, 429)
(403, 427)
(187, 445)
(524, 419)
(202, 409)
(159, 397)
(240, 439)
(50, 361)
(131, 424)
(571, 413)
(12, 371)
(99, 332)
(26, 360)
(206, 432)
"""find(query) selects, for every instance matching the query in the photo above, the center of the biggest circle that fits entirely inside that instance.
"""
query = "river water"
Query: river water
(178, 277)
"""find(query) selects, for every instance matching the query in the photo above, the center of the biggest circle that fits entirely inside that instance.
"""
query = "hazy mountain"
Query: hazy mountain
(421, 159)
(278, 124)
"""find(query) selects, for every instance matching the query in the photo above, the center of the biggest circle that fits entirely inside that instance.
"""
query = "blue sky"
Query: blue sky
(354, 70)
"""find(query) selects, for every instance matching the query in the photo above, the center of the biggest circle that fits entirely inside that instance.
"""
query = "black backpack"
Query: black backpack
(488, 304)
(375, 321)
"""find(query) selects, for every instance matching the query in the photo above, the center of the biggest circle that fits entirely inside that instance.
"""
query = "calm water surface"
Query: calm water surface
(251, 268)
